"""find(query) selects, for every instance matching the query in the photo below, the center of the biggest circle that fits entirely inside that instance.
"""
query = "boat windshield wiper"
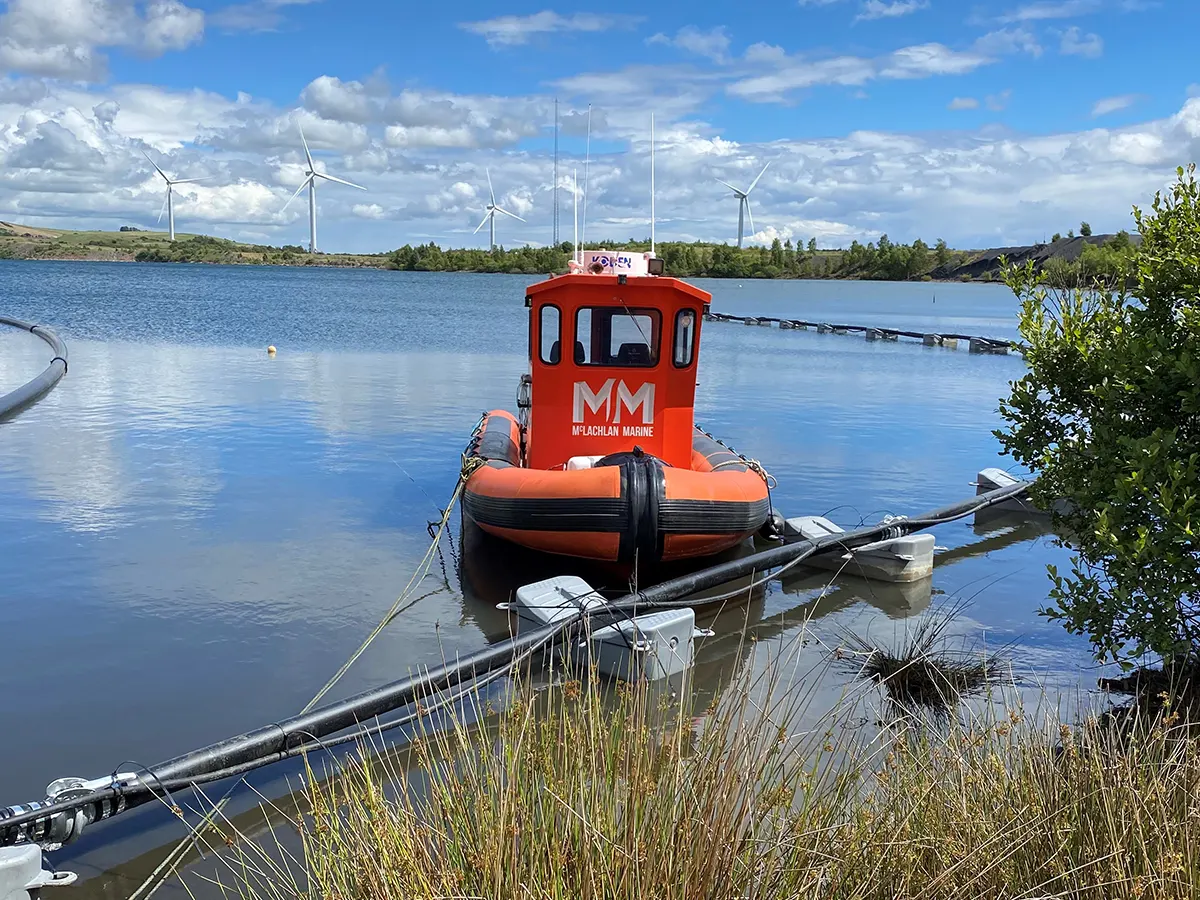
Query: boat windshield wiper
(636, 324)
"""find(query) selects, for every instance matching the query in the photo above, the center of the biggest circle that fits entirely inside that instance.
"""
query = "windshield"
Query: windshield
(617, 336)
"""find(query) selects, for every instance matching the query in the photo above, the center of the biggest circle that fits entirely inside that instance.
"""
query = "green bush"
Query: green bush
(1108, 417)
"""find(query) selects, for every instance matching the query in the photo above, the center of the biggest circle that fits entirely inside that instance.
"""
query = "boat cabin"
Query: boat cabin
(613, 352)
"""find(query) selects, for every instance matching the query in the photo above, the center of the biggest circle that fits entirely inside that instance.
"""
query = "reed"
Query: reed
(919, 671)
(577, 791)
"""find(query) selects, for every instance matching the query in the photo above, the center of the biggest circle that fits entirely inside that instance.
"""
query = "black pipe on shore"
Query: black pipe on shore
(61, 821)
(15, 401)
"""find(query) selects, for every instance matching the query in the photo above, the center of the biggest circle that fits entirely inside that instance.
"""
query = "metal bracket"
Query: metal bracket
(22, 876)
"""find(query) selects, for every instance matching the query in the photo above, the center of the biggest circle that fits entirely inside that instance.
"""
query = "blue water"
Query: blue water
(194, 536)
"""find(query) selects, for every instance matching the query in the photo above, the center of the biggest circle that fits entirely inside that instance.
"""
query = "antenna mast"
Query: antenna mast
(556, 171)
(651, 184)
(587, 158)
(575, 193)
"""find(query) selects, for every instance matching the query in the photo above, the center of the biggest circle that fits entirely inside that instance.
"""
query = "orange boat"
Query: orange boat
(603, 460)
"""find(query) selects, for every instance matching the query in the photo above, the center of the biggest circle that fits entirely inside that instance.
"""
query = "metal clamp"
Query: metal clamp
(65, 827)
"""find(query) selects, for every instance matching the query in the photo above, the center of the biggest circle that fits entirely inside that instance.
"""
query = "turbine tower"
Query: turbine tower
(169, 202)
(310, 181)
(744, 202)
(492, 209)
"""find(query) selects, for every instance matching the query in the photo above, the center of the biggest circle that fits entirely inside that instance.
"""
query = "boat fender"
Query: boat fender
(642, 486)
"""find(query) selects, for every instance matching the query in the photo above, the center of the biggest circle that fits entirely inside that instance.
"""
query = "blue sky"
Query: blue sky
(984, 124)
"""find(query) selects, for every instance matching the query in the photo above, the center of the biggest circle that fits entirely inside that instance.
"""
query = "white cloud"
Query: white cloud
(713, 44)
(63, 39)
(827, 233)
(332, 98)
(417, 118)
(508, 31)
(255, 15)
(925, 60)
(1076, 43)
(1113, 104)
(428, 136)
(793, 73)
(70, 156)
(963, 103)
(1007, 41)
(169, 25)
(1051, 9)
(998, 102)
(878, 9)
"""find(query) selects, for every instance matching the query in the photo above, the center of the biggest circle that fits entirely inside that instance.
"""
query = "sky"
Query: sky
(986, 124)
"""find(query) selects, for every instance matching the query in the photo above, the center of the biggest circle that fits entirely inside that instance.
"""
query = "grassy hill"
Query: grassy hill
(24, 242)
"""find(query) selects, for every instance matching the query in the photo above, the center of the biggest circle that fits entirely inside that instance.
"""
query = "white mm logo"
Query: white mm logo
(643, 397)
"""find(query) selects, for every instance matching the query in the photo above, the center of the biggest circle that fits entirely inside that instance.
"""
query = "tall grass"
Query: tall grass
(577, 791)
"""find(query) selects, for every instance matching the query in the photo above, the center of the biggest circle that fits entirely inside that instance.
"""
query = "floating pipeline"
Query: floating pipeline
(975, 343)
(73, 803)
(15, 401)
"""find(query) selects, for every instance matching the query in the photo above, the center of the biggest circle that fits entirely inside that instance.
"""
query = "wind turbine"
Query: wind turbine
(169, 203)
(492, 209)
(744, 202)
(310, 181)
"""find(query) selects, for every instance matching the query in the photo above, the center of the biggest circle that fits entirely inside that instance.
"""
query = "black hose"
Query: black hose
(15, 401)
(263, 746)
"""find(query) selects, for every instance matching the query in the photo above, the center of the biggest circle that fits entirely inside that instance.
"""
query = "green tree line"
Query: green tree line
(783, 259)
(1107, 264)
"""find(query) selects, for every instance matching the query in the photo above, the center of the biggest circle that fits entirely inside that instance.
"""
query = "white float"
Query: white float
(902, 559)
(647, 647)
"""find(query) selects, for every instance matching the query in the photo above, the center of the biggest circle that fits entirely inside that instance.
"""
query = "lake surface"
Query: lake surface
(194, 536)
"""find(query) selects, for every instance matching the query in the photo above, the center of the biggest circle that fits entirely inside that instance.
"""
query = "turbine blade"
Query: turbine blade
(749, 214)
(153, 163)
(191, 180)
(755, 181)
(501, 209)
(305, 183)
(484, 222)
(308, 155)
(158, 221)
(730, 186)
(339, 180)
(490, 191)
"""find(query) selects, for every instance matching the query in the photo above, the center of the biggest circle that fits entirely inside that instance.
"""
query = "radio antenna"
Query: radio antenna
(587, 158)
(575, 194)
(555, 170)
(651, 184)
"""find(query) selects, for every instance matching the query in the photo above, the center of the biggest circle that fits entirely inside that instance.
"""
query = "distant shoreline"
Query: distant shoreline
(384, 268)
(1079, 258)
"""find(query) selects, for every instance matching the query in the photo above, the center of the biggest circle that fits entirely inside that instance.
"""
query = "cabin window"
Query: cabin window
(617, 336)
(685, 338)
(550, 335)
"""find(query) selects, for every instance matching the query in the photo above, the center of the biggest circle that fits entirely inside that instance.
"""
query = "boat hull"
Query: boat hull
(628, 508)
